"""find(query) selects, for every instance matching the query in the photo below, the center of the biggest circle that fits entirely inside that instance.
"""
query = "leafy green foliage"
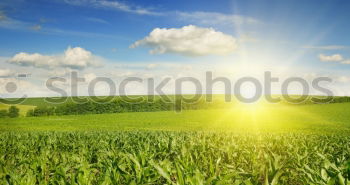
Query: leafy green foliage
(276, 144)
(3, 113)
(41, 111)
(120, 106)
(23, 109)
(172, 158)
(117, 104)
(13, 112)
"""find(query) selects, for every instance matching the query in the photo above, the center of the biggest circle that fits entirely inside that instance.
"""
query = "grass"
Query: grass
(247, 144)
(272, 118)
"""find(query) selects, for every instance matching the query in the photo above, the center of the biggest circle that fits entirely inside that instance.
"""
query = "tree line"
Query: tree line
(11, 112)
(120, 106)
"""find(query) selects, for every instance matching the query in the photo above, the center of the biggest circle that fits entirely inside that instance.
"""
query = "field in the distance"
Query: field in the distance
(247, 144)
(270, 118)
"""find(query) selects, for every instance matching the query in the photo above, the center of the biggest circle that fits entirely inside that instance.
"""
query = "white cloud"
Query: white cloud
(152, 66)
(6, 73)
(334, 58)
(343, 79)
(74, 58)
(214, 18)
(331, 58)
(59, 72)
(329, 47)
(114, 5)
(89, 77)
(346, 61)
(188, 40)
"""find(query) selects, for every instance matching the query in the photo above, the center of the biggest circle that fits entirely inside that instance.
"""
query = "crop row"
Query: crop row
(145, 157)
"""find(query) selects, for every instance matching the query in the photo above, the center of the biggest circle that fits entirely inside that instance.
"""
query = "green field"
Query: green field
(246, 144)
(330, 118)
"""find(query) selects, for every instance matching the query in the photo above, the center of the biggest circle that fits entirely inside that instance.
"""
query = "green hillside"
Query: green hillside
(270, 117)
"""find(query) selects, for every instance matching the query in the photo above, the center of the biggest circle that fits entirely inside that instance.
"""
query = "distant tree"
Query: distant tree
(42, 111)
(13, 112)
(30, 113)
(3, 113)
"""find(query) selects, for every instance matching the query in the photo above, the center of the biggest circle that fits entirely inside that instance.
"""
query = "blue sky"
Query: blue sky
(309, 36)
(103, 28)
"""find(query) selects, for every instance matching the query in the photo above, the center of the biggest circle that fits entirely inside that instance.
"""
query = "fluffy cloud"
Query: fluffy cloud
(346, 61)
(74, 58)
(6, 73)
(334, 58)
(331, 58)
(152, 66)
(188, 40)
(89, 77)
(343, 79)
